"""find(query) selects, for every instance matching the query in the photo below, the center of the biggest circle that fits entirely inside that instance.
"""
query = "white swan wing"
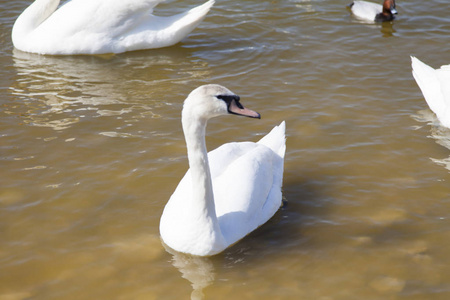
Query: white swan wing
(102, 15)
(435, 87)
(247, 180)
(86, 17)
(157, 32)
(248, 192)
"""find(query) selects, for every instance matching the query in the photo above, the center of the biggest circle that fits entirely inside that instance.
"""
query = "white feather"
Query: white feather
(100, 26)
(246, 186)
(435, 87)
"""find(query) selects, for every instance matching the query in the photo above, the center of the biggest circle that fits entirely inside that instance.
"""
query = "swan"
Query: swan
(228, 192)
(100, 26)
(374, 12)
(435, 87)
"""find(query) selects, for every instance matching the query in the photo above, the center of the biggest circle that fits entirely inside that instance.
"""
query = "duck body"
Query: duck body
(226, 194)
(374, 12)
(435, 87)
(100, 26)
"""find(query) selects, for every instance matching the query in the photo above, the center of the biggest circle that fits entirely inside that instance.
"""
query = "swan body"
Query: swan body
(374, 12)
(100, 26)
(435, 87)
(228, 192)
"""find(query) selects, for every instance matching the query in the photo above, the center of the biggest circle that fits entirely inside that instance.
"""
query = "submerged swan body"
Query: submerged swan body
(374, 12)
(228, 192)
(100, 26)
(435, 87)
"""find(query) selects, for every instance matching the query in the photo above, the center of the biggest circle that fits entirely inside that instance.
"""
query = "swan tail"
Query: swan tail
(194, 16)
(158, 32)
(184, 23)
(428, 82)
(201, 10)
(276, 139)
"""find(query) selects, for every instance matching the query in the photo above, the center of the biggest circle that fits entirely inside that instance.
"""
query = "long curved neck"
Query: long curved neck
(203, 197)
(33, 16)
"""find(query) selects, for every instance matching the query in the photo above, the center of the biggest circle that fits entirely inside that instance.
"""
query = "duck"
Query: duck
(374, 12)
(100, 26)
(226, 193)
(435, 87)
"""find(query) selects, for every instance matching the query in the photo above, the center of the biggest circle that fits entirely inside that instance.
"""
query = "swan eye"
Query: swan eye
(229, 98)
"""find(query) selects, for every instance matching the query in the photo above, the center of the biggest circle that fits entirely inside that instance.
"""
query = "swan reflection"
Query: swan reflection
(439, 133)
(199, 271)
(442, 137)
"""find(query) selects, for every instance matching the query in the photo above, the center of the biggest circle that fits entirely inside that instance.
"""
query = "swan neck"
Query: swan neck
(203, 197)
(33, 16)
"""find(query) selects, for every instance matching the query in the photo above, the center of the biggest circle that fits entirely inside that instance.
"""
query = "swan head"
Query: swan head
(212, 100)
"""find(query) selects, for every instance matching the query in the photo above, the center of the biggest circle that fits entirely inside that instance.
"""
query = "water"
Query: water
(91, 149)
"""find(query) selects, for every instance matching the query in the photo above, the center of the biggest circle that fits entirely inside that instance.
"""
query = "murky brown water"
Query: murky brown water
(91, 149)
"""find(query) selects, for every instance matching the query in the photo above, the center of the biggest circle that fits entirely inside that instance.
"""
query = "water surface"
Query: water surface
(91, 149)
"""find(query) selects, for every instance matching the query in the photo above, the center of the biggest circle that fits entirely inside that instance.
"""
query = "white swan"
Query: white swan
(374, 12)
(435, 87)
(100, 26)
(228, 192)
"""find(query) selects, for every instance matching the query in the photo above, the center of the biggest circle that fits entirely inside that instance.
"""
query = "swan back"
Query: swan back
(435, 88)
